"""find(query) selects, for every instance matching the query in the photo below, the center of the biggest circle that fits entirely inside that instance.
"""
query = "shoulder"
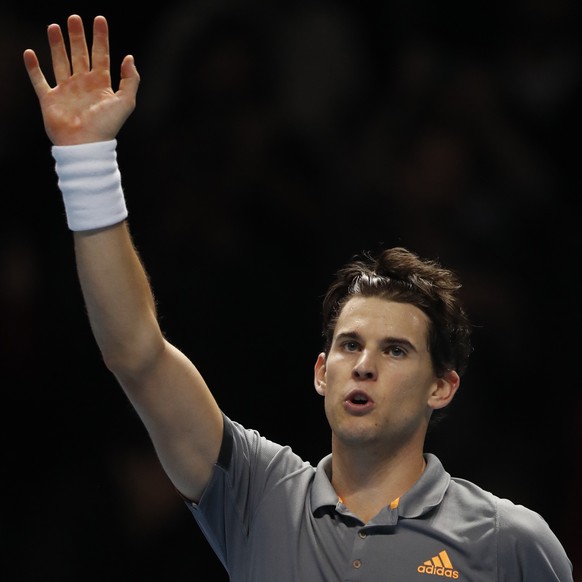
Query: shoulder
(523, 527)
(524, 540)
(510, 520)
(245, 447)
(527, 542)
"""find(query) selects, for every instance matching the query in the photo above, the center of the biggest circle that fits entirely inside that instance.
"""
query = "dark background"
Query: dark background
(271, 142)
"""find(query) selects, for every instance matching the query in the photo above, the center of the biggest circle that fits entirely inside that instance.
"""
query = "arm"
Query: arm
(172, 399)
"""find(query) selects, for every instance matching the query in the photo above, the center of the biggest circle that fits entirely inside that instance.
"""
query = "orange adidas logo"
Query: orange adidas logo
(439, 565)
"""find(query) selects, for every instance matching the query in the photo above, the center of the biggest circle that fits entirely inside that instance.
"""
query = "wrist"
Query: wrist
(90, 183)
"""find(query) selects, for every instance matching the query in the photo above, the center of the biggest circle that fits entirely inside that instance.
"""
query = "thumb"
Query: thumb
(130, 79)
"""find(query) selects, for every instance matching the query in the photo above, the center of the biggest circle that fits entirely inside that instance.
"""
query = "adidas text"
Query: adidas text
(438, 571)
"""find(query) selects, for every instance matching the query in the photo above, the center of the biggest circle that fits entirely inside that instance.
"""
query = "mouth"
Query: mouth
(358, 402)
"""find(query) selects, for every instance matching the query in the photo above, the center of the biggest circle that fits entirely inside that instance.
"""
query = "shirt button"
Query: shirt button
(363, 534)
(357, 564)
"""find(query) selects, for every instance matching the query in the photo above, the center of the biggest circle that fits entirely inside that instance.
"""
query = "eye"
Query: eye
(350, 345)
(396, 351)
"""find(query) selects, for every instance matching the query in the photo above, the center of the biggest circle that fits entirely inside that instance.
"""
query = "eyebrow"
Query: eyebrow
(384, 342)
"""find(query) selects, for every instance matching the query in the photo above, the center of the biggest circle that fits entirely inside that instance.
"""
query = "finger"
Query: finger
(100, 50)
(39, 83)
(61, 65)
(79, 50)
(129, 79)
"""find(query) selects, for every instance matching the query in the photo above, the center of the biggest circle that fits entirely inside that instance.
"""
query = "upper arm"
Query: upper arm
(181, 416)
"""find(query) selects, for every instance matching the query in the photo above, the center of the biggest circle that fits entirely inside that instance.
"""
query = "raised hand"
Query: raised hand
(82, 107)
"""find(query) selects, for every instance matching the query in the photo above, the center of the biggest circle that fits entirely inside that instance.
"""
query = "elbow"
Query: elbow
(133, 359)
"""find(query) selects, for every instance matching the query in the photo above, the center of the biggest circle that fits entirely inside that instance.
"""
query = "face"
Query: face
(378, 381)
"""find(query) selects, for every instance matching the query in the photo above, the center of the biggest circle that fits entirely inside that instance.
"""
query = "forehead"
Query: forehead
(383, 317)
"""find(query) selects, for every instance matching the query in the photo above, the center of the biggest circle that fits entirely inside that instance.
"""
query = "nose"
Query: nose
(365, 368)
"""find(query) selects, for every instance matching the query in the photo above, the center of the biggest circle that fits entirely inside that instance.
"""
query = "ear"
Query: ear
(319, 375)
(444, 390)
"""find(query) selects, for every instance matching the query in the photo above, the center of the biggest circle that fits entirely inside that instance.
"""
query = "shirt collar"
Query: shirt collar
(425, 494)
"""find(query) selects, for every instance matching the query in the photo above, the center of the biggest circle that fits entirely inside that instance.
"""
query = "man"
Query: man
(396, 344)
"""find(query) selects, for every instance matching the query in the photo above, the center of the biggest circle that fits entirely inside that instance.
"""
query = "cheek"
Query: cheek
(336, 370)
(406, 389)
(330, 383)
(334, 388)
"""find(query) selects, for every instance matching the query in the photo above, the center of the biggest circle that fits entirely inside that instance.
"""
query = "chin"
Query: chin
(356, 435)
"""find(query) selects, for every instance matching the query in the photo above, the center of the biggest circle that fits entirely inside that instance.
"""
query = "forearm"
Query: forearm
(118, 298)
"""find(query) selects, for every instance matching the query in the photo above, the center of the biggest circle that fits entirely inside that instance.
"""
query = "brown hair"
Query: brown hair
(398, 274)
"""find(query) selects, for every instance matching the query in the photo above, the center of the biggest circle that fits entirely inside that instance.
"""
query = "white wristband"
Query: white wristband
(90, 183)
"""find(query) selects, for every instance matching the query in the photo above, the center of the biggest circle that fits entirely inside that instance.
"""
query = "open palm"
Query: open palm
(82, 107)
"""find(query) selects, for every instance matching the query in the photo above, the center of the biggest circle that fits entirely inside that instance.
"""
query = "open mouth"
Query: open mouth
(358, 401)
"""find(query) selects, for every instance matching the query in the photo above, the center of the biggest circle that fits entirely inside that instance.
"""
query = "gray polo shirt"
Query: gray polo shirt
(272, 517)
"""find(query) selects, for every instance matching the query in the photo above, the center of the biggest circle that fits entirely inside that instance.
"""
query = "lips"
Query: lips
(358, 402)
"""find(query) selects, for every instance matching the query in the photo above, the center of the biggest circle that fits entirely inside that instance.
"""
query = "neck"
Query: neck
(367, 482)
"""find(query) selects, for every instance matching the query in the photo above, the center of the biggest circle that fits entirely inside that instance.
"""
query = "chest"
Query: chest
(330, 547)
